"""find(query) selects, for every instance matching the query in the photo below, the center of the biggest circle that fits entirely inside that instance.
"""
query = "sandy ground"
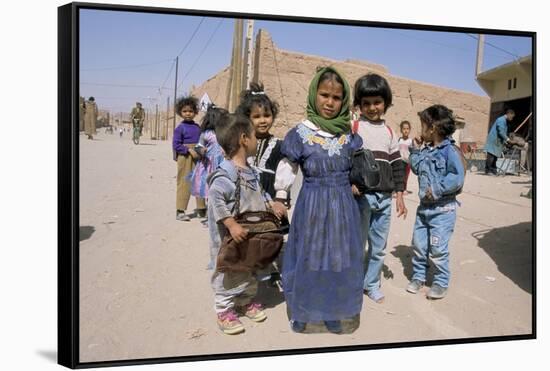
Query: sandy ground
(145, 292)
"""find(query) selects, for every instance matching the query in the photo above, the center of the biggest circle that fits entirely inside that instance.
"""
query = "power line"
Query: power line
(201, 53)
(169, 73)
(126, 67)
(496, 47)
(121, 85)
(191, 38)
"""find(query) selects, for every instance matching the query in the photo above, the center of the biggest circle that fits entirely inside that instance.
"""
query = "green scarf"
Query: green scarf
(337, 125)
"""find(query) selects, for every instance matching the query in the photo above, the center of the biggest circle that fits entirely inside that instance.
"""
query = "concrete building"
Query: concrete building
(509, 86)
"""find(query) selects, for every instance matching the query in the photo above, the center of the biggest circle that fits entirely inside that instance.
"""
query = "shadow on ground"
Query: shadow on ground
(85, 232)
(405, 253)
(511, 248)
(50, 355)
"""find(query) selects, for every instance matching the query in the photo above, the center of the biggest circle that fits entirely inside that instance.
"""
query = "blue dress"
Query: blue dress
(323, 259)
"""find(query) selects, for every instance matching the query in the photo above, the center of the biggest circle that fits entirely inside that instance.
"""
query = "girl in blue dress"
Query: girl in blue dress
(322, 263)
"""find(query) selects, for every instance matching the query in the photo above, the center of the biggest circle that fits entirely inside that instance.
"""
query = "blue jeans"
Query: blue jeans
(433, 229)
(375, 209)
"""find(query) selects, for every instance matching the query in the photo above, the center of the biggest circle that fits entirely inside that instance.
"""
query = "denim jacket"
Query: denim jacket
(439, 169)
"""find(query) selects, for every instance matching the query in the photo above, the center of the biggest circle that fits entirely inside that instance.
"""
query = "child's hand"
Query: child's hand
(355, 190)
(429, 195)
(418, 141)
(401, 208)
(238, 232)
(279, 209)
(193, 154)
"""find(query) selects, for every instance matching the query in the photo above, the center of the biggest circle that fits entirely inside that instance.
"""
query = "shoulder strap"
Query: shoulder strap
(237, 206)
(390, 130)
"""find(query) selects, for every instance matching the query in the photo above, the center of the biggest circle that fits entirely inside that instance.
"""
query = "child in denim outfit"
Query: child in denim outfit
(440, 174)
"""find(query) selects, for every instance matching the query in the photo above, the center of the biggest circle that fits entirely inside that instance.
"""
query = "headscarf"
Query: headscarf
(340, 124)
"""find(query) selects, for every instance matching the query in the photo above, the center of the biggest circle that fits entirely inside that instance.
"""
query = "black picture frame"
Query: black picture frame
(68, 191)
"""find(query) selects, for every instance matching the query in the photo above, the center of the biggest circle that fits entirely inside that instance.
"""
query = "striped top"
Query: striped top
(382, 141)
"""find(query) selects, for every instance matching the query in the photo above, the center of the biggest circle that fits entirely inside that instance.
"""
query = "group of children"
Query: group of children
(337, 240)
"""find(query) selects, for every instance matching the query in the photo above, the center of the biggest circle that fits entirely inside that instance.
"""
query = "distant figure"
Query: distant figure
(186, 137)
(90, 117)
(404, 143)
(498, 136)
(137, 116)
(120, 132)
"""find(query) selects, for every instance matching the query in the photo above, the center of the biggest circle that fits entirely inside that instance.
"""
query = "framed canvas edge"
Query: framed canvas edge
(68, 183)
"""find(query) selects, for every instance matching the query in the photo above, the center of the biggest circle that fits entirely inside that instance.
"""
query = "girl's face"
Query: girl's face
(187, 113)
(405, 131)
(262, 119)
(427, 132)
(373, 108)
(329, 99)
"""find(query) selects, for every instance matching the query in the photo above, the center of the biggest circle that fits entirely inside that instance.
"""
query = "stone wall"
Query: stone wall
(286, 76)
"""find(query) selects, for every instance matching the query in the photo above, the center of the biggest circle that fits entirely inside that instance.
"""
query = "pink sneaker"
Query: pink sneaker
(255, 312)
(229, 322)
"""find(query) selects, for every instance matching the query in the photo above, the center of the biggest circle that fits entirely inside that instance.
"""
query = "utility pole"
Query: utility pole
(237, 77)
(175, 96)
(231, 69)
(479, 61)
(157, 121)
(247, 70)
(167, 116)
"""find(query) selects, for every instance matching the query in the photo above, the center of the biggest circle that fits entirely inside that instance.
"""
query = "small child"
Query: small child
(186, 137)
(262, 111)
(234, 291)
(404, 143)
(440, 177)
(373, 96)
(209, 151)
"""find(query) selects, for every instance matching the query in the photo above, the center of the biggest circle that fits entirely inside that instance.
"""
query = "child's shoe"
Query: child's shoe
(254, 312)
(182, 216)
(297, 326)
(334, 326)
(229, 322)
(414, 286)
(376, 296)
(436, 292)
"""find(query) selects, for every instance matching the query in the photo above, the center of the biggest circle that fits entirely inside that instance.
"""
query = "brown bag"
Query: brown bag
(262, 245)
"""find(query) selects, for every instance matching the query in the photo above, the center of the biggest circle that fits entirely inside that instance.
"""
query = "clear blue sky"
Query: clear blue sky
(137, 50)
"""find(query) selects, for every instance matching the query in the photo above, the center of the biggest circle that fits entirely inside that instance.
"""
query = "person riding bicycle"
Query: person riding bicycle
(137, 116)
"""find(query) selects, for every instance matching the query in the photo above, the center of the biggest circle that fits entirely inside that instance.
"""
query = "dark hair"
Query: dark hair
(212, 117)
(509, 110)
(329, 75)
(256, 96)
(91, 99)
(372, 85)
(403, 123)
(190, 101)
(229, 131)
(440, 117)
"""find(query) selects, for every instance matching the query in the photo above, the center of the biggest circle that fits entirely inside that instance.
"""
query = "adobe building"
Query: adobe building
(286, 76)
(509, 86)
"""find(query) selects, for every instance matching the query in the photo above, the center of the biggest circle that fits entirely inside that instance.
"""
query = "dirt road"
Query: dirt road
(145, 292)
